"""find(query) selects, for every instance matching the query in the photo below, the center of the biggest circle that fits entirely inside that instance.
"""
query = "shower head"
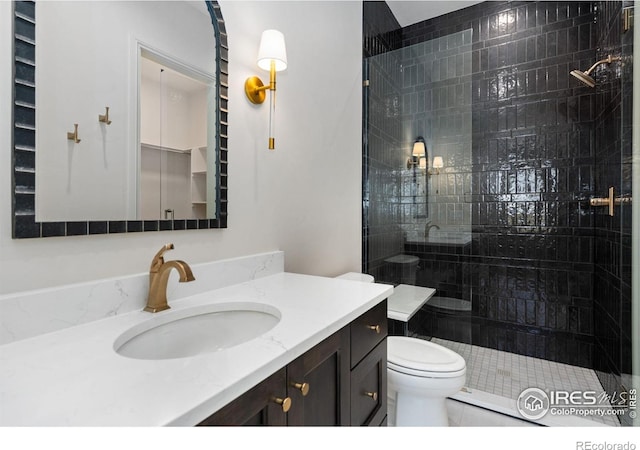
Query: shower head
(586, 77)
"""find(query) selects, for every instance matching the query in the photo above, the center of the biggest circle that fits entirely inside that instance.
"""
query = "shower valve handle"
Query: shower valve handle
(611, 200)
(605, 201)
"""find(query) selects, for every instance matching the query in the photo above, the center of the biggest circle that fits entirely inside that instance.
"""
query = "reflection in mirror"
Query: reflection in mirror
(87, 60)
(175, 141)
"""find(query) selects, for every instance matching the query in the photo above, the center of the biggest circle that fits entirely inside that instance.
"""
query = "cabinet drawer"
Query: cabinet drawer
(367, 331)
(369, 388)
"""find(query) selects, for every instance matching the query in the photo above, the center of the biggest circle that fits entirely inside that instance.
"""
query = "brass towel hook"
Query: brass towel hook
(74, 136)
(104, 118)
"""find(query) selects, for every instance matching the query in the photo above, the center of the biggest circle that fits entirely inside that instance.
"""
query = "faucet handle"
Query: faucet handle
(158, 260)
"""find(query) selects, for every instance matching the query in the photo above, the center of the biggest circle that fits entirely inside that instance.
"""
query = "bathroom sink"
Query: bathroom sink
(197, 330)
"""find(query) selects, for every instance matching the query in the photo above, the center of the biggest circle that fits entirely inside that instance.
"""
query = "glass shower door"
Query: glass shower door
(417, 214)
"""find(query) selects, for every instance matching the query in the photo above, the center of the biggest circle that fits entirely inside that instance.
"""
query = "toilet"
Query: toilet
(420, 377)
(402, 269)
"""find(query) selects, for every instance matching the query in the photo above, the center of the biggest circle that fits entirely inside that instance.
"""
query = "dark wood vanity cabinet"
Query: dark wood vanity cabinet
(340, 381)
(318, 384)
(256, 407)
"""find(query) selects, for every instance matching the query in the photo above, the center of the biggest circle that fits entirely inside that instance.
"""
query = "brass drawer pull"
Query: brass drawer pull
(304, 388)
(284, 402)
(375, 328)
(373, 395)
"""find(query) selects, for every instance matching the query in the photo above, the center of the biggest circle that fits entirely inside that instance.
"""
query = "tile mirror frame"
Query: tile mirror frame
(24, 224)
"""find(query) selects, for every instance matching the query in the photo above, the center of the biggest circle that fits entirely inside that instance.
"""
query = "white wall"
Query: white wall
(304, 198)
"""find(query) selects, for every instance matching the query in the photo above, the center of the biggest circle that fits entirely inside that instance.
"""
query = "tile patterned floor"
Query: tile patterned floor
(507, 374)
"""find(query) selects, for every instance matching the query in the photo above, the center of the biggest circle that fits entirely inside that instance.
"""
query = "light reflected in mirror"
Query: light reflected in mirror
(156, 159)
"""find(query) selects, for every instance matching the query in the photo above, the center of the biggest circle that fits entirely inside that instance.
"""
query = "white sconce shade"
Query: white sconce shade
(272, 48)
(418, 153)
(437, 162)
(423, 163)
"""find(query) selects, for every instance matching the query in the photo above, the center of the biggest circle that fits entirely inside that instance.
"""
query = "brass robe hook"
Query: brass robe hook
(74, 136)
(104, 118)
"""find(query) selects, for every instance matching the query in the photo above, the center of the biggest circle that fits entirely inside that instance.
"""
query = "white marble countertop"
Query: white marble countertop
(74, 377)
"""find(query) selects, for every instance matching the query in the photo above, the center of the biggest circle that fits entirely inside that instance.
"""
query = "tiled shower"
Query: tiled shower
(525, 146)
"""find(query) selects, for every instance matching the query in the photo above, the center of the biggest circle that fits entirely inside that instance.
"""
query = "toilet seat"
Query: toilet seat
(422, 358)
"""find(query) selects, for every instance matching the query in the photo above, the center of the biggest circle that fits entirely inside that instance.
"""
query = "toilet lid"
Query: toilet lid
(412, 356)
(403, 259)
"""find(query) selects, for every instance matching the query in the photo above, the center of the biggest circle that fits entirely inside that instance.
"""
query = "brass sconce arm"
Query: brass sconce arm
(255, 89)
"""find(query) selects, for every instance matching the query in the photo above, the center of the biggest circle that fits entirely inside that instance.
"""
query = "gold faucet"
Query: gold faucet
(159, 276)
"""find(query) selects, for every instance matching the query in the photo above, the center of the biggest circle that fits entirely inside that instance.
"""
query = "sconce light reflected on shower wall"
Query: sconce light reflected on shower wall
(437, 164)
(272, 56)
(418, 154)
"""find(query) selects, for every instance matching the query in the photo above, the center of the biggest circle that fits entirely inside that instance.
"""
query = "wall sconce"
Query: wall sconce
(272, 56)
(418, 154)
(438, 164)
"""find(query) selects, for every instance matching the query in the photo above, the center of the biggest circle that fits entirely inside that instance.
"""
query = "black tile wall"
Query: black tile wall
(381, 31)
(530, 268)
(612, 115)
(445, 268)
